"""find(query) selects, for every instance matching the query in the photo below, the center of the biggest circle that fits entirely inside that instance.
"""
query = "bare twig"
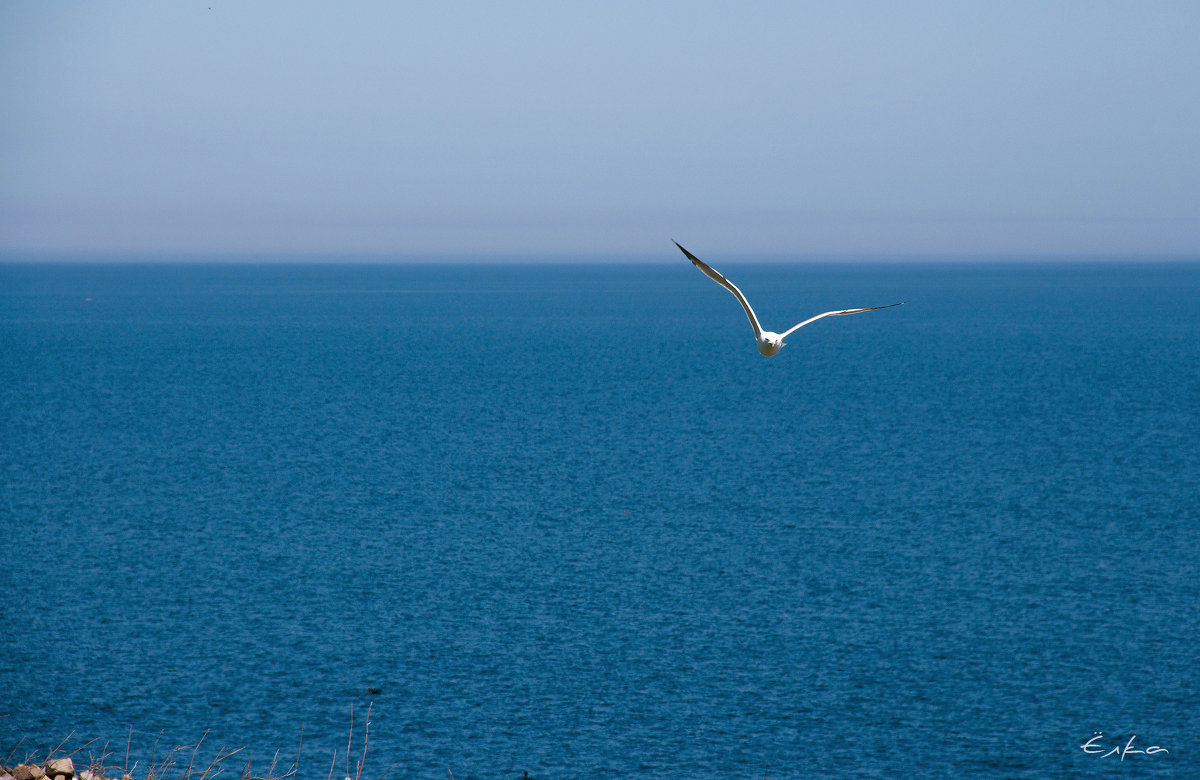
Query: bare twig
(349, 742)
(16, 747)
(167, 762)
(50, 755)
(97, 764)
(153, 750)
(300, 746)
(81, 747)
(366, 738)
(188, 772)
(221, 756)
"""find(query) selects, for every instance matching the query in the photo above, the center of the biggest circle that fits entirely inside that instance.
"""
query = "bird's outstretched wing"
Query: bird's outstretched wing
(796, 327)
(728, 285)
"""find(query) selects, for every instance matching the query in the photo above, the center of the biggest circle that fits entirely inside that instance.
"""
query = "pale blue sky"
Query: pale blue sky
(739, 128)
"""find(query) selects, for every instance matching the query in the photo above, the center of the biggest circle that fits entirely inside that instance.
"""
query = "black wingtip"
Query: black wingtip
(686, 253)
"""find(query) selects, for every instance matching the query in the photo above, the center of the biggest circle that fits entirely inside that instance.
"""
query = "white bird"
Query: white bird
(769, 342)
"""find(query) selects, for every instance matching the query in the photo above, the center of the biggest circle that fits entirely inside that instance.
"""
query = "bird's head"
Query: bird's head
(770, 343)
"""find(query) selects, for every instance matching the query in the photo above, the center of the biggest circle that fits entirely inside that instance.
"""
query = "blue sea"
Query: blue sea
(565, 520)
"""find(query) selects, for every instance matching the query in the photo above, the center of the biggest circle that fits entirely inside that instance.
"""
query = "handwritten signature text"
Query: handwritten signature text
(1095, 747)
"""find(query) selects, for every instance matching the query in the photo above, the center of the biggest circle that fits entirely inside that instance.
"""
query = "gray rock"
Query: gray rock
(60, 766)
(28, 772)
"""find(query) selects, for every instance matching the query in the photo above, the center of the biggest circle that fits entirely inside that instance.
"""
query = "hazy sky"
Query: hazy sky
(807, 129)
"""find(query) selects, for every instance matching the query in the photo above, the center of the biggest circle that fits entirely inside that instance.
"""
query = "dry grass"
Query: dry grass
(102, 763)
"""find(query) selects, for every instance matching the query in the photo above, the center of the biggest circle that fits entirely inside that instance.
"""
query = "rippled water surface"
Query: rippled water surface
(566, 520)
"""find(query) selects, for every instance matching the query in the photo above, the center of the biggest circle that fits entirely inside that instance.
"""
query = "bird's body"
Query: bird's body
(769, 342)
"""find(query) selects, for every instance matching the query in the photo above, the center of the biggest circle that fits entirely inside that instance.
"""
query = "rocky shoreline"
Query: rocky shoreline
(52, 769)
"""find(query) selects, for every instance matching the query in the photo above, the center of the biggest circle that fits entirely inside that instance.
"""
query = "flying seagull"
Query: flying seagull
(769, 342)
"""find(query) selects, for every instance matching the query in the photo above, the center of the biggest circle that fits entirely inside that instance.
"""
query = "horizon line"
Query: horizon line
(281, 257)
